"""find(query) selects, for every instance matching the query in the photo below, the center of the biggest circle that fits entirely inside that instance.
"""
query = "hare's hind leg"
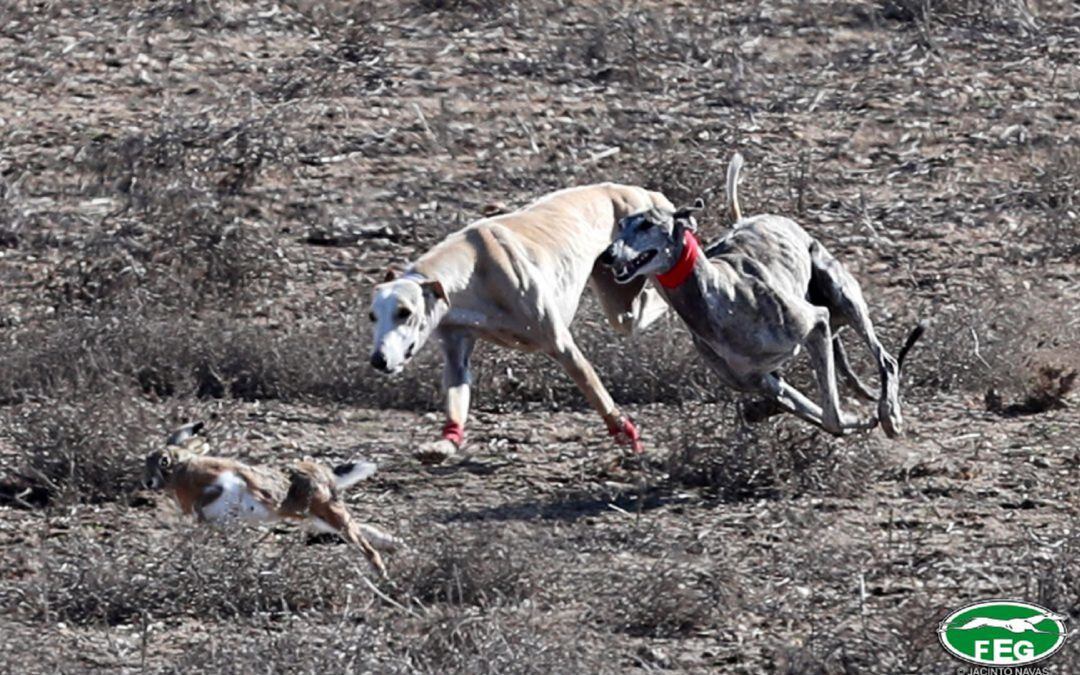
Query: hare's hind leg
(335, 516)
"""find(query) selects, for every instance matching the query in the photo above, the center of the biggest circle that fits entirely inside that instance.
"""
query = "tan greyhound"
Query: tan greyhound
(516, 280)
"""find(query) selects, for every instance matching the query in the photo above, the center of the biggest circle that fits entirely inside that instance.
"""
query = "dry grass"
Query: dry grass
(713, 449)
(166, 164)
(476, 571)
(79, 450)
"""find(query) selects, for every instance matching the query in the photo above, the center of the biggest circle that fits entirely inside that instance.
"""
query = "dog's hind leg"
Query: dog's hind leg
(844, 366)
(457, 380)
(844, 297)
(819, 347)
(793, 401)
(629, 307)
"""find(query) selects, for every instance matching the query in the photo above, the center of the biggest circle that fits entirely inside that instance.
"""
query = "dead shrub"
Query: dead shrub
(712, 449)
(657, 365)
(897, 638)
(993, 13)
(210, 573)
(163, 355)
(211, 153)
(80, 450)
(1056, 233)
(205, 14)
(665, 600)
(1047, 390)
(472, 7)
(984, 341)
(292, 644)
(477, 570)
(185, 236)
(469, 640)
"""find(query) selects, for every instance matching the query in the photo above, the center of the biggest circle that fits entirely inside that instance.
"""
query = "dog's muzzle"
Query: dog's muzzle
(378, 362)
(608, 256)
(628, 270)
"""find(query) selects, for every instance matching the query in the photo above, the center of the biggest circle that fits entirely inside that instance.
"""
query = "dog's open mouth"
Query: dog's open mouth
(627, 271)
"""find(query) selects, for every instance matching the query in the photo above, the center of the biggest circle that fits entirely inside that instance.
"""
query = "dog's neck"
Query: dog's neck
(684, 264)
(688, 297)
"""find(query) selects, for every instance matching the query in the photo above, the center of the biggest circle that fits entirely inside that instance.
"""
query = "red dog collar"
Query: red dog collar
(680, 271)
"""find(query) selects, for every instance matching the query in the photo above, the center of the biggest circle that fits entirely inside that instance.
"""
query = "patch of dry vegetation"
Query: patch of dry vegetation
(155, 262)
(713, 448)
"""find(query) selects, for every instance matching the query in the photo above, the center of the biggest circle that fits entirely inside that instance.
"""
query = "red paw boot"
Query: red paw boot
(624, 432)
(454, 432)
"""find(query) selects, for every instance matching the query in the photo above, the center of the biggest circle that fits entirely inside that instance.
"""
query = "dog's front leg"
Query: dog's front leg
(581, 371)
(457, 349)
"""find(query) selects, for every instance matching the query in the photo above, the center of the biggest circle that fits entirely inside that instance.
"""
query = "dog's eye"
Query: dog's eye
(371, 317)
(404, 313)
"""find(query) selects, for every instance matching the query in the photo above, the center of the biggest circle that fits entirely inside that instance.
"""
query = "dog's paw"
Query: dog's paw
(891, 421)
(625, 434)
(436, 452)
(853, 424)
(760, 410)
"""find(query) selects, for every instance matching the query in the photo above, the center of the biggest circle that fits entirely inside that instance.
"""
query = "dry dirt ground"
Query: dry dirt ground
(196, 197)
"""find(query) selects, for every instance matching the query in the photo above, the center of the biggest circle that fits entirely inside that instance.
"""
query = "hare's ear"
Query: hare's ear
(180, 436)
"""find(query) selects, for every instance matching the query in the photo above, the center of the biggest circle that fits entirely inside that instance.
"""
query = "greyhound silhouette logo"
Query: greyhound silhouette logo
(1003, 633)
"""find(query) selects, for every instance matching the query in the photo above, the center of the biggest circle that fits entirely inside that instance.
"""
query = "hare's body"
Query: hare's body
(236, 500)
(220, 490)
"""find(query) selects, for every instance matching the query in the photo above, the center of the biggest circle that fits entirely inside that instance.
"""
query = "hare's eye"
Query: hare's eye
(165, 461)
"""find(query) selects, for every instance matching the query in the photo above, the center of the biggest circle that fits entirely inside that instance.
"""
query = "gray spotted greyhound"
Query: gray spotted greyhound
(755, 299)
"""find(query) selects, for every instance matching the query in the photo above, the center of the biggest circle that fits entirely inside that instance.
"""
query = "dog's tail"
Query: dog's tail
(912, 338)
(733, 185)
(347, 475)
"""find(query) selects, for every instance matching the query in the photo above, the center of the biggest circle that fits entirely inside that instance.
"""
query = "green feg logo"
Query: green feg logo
(1003, 633)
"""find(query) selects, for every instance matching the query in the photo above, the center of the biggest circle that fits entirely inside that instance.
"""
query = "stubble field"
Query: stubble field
(196, 198)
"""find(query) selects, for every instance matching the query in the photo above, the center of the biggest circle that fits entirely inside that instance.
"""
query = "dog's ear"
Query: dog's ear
(686, 211)
(630, 221)
(435, 288)
(684, 217)
(684, 221)
(391, 274)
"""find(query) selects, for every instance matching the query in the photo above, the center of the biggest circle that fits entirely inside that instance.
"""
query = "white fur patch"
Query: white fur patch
(236, 502)
(320, 525)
